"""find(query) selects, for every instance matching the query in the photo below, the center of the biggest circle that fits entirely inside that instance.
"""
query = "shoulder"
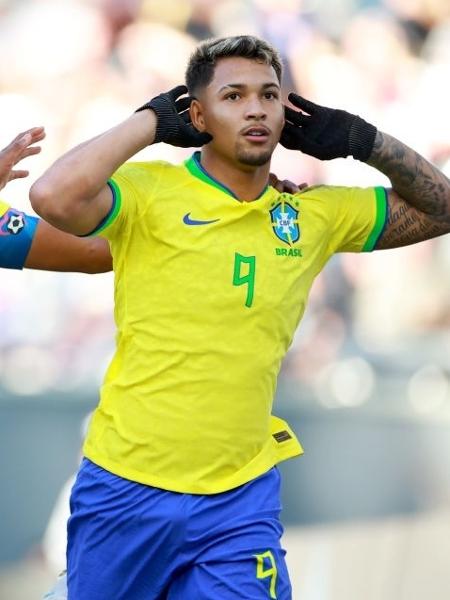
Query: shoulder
(147, 169)
(148, 176)
(336, 193)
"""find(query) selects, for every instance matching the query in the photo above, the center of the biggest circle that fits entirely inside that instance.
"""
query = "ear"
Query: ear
(197, 118)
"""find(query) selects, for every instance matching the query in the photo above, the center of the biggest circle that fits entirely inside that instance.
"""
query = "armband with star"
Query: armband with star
(17, 231)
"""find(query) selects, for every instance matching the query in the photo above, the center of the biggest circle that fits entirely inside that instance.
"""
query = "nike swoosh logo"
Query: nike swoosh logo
(188, 221)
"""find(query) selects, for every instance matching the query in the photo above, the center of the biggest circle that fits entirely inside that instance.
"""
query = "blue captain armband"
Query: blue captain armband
(17, 231)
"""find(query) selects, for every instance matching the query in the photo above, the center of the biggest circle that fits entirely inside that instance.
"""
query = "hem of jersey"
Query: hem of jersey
(113, 211)
(163, 484)
(196, 169)
(380, 219)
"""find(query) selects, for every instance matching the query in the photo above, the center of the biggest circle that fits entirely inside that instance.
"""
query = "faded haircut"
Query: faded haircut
(201, 65)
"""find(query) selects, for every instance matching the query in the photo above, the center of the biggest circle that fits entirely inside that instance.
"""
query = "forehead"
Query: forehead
(242, 71)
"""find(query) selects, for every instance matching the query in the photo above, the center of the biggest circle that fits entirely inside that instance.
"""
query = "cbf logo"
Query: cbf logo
(285, 221)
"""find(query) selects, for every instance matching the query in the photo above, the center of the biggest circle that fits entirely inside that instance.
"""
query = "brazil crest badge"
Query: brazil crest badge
(285, 225)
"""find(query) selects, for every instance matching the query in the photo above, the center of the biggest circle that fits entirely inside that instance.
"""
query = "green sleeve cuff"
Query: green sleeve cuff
(380, 219)
(113, 212)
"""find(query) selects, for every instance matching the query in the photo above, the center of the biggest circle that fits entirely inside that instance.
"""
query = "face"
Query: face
(242, 109)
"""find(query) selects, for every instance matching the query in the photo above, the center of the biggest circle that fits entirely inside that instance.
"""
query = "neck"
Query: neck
(246, 182)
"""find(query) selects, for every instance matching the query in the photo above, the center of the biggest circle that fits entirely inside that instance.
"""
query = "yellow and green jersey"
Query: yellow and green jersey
(208, 293)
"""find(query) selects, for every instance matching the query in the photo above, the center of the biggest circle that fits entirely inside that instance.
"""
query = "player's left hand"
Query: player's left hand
(286, 186)
(326, 133)
(173, 121)
(19, 148)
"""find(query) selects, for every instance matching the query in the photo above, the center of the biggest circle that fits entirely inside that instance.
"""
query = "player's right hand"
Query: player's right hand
(19, 148)
(173, 122)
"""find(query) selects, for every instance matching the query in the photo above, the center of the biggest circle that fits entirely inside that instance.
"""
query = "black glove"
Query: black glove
(326, 133)
(173, 121)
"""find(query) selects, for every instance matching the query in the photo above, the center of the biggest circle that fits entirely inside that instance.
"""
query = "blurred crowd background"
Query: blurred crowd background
(367, 381)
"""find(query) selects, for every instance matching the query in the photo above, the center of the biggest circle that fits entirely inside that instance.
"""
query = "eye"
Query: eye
(233, 96)
(271, 95)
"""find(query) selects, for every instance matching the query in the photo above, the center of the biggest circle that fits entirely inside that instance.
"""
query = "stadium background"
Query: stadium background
(366, 384)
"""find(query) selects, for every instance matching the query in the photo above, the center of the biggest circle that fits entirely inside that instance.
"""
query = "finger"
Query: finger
(36, 133)
(285, 185)
(186, 117)
(293, 132)
(293, 138)
(273, 180)
(296, 117)
(19, 174)
(176, 92)
(200, 138)
(13, 151)
(27, 151)
(290, 187)
(278, 185)
(302, 103)
(183, 104)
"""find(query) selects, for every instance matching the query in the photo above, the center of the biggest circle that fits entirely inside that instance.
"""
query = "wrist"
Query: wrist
(361, 139)
(145, 122)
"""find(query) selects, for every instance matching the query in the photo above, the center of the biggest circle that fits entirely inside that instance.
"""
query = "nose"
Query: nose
(254, 109)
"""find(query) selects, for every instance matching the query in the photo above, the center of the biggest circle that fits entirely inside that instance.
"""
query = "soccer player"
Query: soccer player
(26, 241)
(178, 494)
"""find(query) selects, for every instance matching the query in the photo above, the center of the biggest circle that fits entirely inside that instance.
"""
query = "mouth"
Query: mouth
(256, 134)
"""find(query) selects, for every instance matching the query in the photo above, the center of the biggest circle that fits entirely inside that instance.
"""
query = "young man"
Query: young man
(178, 496)
(26, 241)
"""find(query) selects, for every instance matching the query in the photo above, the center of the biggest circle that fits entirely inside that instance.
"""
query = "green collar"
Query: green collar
(196, 169)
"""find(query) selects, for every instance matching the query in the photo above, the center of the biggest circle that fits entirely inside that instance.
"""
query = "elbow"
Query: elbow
(43, 201)
(55, 206)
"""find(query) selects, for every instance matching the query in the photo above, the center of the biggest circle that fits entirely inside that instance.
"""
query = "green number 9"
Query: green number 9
(248, 277)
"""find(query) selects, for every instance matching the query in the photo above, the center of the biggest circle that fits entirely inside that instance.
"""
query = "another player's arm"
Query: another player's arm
(55, 250)
(26, 241)
(419, 201)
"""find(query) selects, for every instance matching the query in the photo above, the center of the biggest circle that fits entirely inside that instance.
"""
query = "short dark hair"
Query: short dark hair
(201, 65)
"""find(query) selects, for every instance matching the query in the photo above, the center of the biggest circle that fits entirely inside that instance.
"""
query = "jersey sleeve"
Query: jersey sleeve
(132, 186)
(359, 218)
(17, 231)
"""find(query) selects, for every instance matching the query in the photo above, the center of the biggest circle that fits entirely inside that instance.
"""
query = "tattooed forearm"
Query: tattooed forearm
(407, 225)
(416, 180)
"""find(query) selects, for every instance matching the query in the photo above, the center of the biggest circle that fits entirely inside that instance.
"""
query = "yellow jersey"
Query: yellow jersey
(3, 208)
(209, 291)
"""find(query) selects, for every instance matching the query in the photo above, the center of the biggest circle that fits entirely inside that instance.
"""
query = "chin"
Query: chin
(255, 158)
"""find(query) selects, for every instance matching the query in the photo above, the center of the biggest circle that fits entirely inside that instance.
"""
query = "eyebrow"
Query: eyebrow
(240, 86)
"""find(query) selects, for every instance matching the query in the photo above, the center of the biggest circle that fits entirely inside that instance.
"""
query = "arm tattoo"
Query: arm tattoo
(419, 203)
(407, 225)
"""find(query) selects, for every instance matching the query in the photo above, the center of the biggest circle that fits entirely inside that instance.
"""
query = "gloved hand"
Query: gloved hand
(173, 121)
(326, 133)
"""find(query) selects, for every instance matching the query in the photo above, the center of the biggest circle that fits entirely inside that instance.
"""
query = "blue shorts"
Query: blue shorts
(128, 541)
